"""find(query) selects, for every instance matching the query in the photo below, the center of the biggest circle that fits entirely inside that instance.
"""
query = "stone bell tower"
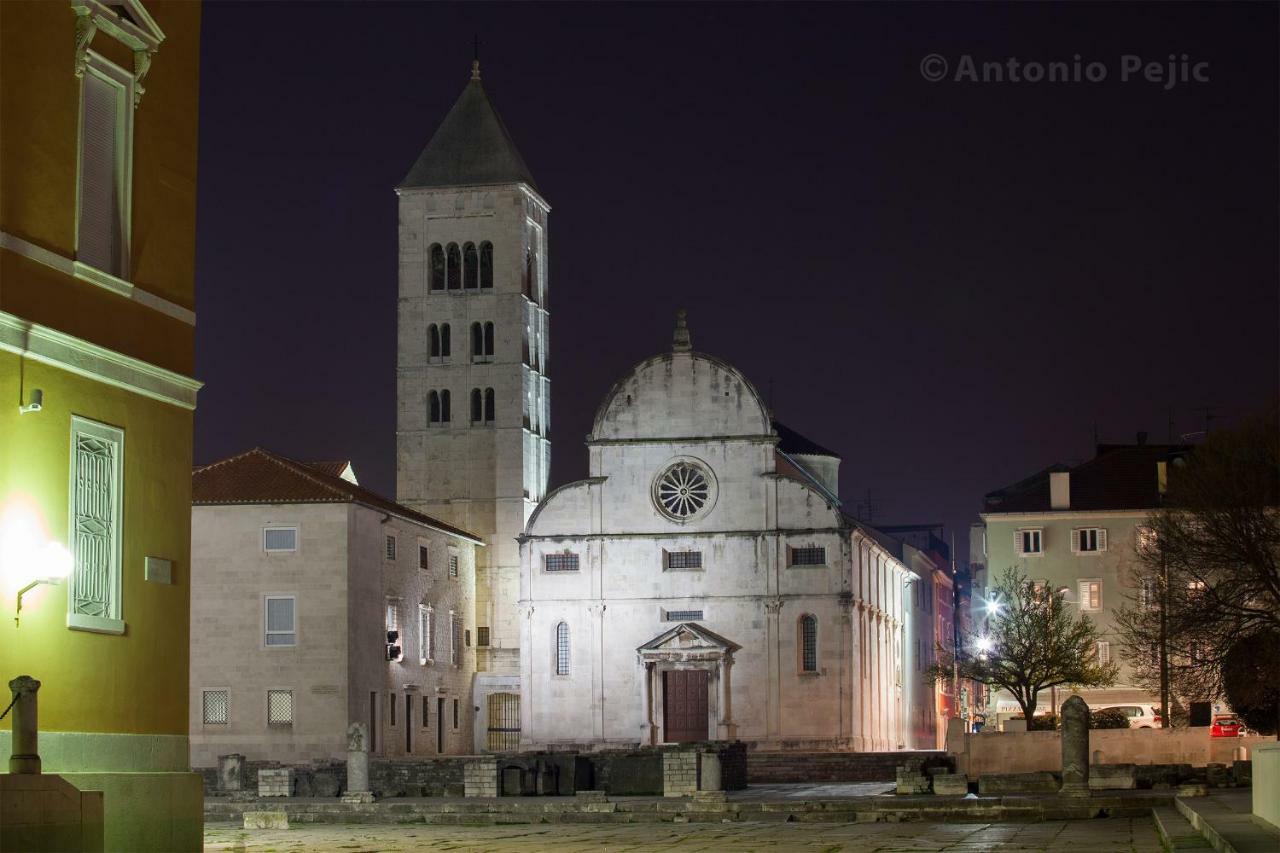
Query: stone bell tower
(473, 398)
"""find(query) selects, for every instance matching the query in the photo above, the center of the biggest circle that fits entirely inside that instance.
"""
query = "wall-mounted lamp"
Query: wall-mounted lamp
(53, 564)
(27, 555)
(36, 404)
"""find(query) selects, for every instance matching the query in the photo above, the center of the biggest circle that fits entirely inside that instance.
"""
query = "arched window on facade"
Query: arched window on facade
(808, 643)
(444, 340)
(470, 267)
(486, 264)
(528, 273)
(488, 406)
(433, 338)
(562, 648)
(437, 267)
(488, 339)
(454, 261)
(444, 407)
(477, 406)
(433, 407)
(477, 339)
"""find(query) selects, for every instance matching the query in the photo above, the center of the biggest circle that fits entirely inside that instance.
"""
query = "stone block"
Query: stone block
(950, 784)
(480, 778)
(590, 796)
(277, 782)
(266, 820)
(357, 797)
(324, 785)
(1018, 783)
(1113, 777)
(229, 771)
(1243, 772)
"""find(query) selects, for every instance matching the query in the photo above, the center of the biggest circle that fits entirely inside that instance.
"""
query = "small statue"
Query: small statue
(357, 737)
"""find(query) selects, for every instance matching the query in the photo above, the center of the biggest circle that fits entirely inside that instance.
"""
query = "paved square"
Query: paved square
(1115, 835)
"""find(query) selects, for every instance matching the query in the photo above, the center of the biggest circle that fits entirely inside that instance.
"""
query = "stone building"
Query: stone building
(473, 395)
(1077, 529)
(316, 604)
(703, 582)
(98, 126)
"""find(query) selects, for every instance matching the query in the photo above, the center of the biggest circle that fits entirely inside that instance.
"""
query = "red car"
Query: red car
(1225, 727)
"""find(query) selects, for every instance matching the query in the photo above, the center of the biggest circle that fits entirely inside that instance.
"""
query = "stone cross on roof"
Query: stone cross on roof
(681, 342)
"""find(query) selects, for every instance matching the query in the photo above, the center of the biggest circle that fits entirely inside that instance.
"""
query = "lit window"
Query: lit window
(280, 621)
(809, 556)
(1104, 651)
(1028, 541)
(391, 547)
(560, 562)
(1147, 594)
(1090, 595)
(280, 707)
(280, 539)
(684, 560)
(393, 617)
(562, 648)
(216, 708)
(1089, 540)
(808, 643)
(1146, 540)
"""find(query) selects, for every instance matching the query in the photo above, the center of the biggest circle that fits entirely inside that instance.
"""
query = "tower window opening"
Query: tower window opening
(470, 267)
(454, 266)
(437, 267)
(486, 265)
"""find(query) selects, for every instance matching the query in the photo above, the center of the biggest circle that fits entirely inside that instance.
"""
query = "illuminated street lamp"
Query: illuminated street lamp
(26, 555)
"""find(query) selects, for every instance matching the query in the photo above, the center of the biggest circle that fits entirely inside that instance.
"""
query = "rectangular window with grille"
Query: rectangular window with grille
(279, 539)
(217, 708)
(280, 707)
(453, 565)
(482, 636)
(422, 557)
(562, 648)
(810, 555)
(94, 588)
(455, 651)
(391, 547)
(426, 648)
(809, 644)
(1147, 594)
(1104, 651)
(682, 616)
(1091, 595)
(281, 628)
(560, 562)
(684, 560)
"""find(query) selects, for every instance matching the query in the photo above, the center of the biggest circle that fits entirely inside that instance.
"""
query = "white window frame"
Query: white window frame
(276, 596)
(113, 621)
(555, 649)
(1081, 592)
(292, 550)
(1019, 541)
(1103, 648)
(1098, 535)
(426, 648)
(106, 70)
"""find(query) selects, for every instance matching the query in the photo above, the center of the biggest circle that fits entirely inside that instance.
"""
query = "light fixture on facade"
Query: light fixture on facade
(27, 555)
(36, 404)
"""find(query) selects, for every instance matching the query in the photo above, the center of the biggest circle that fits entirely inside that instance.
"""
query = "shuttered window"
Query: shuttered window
(1090, 595)
(102, 148)
(96, 469)
(455, 639)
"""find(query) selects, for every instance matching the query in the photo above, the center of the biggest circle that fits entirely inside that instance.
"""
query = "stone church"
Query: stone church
(703, 583)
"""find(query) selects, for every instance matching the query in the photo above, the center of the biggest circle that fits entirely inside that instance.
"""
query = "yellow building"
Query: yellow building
(98, 139)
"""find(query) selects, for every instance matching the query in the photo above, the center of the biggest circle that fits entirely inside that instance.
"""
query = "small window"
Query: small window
(482, 636)
(453, 565)
(445, 343)
(1089, 540)
(445, 415)
(684, 560)
(808, 643)
(566, 562)
(489, 407)
(425, 645)
(433, 341)
(391, 703)
(276, 539)
(1146, 540)
(562, 648)
(811, 555)
(217, 709)
(455, 713)
(280, 621)
(470, 271)
(422, 557)
(280, 707)
(393, 618)
(1091, 595)
(1147, 594)
(426, 712)
(682, 616)
(486, 264)
(437, 266)
(433, 407)
(391, 547)
(455, 638)
(466, 638)
(1028, 541)
(477, 406)
(1104, 651)
(453, 261)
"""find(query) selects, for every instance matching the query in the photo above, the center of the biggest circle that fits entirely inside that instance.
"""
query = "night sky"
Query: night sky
(951, 283)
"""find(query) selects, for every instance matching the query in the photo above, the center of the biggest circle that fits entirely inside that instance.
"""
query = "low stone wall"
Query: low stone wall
(827, 767)
(440, 777)
(1030, 752)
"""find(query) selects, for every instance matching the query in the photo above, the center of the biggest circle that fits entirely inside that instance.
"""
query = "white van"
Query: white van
(1140, 716)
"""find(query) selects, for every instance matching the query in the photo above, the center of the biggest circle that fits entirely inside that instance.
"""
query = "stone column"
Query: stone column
(774, 696)
(725, 729)
(1075, 748)
(358, 765)
(25, 756)
(646, 704)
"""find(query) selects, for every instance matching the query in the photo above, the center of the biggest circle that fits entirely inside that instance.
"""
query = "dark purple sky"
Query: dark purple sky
(950, 283)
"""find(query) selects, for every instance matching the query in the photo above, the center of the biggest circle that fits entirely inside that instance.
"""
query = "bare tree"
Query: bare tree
(1035, 643)
(1209, 570)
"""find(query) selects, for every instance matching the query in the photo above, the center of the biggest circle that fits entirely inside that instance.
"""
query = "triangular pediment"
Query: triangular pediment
(127, 20)
(689, 637)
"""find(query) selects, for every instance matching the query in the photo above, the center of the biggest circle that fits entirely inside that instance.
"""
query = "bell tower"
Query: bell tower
(473, 398)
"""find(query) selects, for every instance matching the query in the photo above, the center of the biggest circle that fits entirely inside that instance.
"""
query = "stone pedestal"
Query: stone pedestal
(229, 771)
(480, 778)
(1075, 748)
(25, 755)
(357, 765)
(679, 772)
(275, 783)
(709, 772)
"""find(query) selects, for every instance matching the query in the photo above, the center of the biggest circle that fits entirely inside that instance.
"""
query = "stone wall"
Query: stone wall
(440, 777)
(679, 772)
(824, 767)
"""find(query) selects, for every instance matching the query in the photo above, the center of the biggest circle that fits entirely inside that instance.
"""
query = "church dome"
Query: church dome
(681, 394)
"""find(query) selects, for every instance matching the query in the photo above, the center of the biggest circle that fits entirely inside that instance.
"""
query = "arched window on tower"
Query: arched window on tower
(437, 267)
(433, 338)
(808, 643)
(444, 340)
(433, 407)
(470, 267)
(486, 264)
(444, 407)
(477, 406)
(488, 406)
(454, 267)
(528, 273)
(562, 648)
(488, 338)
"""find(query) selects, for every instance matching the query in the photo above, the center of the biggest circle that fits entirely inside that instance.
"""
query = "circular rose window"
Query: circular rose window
(683, 490)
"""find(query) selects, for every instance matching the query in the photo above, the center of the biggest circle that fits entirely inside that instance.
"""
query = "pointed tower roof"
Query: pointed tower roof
(471, 146)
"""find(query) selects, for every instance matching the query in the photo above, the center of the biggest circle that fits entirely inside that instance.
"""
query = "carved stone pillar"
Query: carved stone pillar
(25, 757)
(774, 714)
(726, 729)
(646, 703)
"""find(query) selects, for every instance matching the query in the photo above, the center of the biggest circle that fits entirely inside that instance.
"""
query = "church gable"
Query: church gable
(688, 640)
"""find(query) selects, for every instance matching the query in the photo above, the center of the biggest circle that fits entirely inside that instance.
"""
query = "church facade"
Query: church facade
(702, 583)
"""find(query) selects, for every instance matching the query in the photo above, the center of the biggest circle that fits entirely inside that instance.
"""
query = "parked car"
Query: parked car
(1225, 727)
(1140, 716)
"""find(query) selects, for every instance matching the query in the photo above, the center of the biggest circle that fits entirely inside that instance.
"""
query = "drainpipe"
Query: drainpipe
(25, 757)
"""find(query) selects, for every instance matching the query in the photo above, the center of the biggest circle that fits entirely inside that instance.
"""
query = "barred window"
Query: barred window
(453, 565)
(216, 708)
(455, 637)
(280, 707)
(808, 643)
(391, 547)
(684, 559)
(810, 555)
(566, 562)
(682, 615)
(562, 648)
(482, 636)
(426, 648)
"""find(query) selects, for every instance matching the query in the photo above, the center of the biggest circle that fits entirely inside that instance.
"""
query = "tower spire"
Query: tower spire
(681, 341)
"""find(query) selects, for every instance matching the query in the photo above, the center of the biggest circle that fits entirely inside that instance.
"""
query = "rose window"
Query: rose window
(683, 490)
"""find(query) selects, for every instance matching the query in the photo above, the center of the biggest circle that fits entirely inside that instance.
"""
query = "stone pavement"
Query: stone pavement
(1115, 835)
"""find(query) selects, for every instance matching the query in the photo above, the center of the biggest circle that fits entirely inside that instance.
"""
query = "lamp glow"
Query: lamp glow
(984, 644)
(27, 555)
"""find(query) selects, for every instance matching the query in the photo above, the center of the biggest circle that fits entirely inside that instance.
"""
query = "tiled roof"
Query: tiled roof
(333, 469)
(261, 477)
(890, 544)
(1119, 477)
(790, 441)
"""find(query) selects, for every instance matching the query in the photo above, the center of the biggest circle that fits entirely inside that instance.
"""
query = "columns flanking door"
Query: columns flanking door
(684, 686)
